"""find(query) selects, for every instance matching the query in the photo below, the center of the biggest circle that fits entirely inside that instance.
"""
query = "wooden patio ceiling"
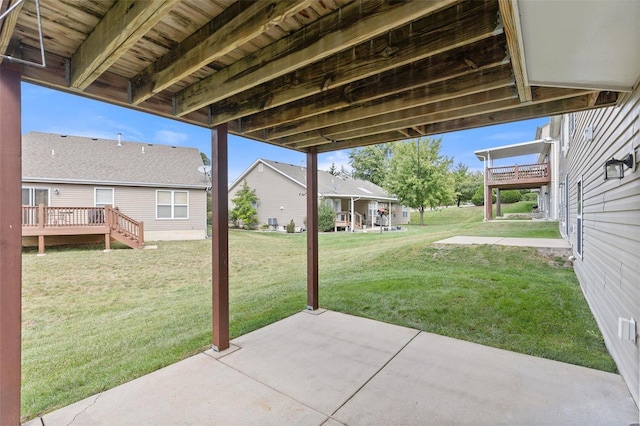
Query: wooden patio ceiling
(329, 74)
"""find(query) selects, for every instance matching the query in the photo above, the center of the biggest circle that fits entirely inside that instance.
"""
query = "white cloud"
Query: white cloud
(170, 137)
(339, 158)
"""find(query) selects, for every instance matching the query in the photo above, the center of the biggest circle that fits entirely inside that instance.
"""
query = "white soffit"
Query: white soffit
(516, 150)
(593, 44)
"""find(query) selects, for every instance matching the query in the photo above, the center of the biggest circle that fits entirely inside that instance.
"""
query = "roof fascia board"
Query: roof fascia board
(114, 183)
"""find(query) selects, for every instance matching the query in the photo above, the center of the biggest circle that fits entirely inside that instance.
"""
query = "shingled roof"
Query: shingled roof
(57, 158)
(328, 184)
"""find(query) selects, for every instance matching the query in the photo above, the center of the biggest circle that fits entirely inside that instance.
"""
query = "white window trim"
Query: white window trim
(172, 191)
(95, 196)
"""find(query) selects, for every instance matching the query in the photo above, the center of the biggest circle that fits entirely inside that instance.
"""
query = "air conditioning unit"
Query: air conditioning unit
(272, 221)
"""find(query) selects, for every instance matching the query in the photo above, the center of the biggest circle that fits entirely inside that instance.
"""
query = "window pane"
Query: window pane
(164, 197)
(180, 197)
(25, 197)
(104, 196)
(164, 212)
(180, 212)
(42, 197)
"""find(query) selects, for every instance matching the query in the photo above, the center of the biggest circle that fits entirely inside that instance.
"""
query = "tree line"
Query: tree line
(416, 172)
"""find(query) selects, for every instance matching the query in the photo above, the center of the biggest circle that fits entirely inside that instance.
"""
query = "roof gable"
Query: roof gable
(328, 184)
(61, 158)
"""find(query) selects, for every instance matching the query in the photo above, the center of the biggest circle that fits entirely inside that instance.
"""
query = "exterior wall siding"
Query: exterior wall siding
(279, 197)
(139, 203)
(609, 267)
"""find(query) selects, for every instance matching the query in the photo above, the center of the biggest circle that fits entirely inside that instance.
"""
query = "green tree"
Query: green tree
(326, 218)
(333, 170)
(370, 163)
(244, 210)
(465, 183)
(419, 176)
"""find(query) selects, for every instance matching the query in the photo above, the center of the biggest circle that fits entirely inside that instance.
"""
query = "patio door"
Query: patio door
(373, 212)
(35, 196)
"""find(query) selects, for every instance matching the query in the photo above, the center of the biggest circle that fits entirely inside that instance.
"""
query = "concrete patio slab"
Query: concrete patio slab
(439, 380)
(199, 390)
(321, 360)
(334, 369)
(508, 241)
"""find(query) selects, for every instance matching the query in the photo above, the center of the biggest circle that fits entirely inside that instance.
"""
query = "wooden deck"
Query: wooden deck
(524, 176)
(343, 220)
(42, 221)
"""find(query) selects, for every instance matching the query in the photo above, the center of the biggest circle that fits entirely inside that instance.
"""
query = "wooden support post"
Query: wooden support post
(220, 238)
(10, 244)
(312, 229)
(41, 222)
(498, 206)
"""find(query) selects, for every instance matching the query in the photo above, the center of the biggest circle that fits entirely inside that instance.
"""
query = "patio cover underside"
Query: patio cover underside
(331, 368)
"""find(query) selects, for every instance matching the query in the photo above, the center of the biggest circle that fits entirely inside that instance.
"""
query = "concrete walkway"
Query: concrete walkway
(328, 368)
(503, 241)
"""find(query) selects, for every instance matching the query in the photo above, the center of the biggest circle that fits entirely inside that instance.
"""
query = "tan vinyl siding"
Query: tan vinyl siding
(610, 266)
(274, 191)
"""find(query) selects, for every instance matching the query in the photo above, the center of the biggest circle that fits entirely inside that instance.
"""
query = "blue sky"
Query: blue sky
(50, 111)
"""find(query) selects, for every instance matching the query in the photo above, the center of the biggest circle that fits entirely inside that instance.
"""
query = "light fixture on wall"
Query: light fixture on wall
(56, 191)
(614, 169)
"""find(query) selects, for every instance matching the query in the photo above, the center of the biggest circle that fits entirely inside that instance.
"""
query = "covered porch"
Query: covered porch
(312, 76)
(335, 369)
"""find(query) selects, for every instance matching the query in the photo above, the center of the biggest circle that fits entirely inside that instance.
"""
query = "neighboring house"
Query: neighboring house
(281, 190)
(540, 177)
(159, 185)
(601, 220)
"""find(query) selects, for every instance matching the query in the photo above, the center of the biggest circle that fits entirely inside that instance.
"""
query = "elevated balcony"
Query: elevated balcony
(519, 176)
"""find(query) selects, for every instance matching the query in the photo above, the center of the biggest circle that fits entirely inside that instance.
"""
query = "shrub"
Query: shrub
(510, 196)
(291, 227)
(530, 196)
(478, 197)
(326, 218)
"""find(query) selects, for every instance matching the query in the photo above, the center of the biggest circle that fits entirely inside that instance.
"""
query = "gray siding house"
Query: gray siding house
(157, 184)
(281, 191)
(601, 220)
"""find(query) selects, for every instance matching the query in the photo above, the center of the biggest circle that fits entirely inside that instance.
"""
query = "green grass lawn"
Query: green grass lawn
(93, 320)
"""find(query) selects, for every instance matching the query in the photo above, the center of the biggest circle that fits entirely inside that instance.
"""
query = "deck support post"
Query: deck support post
(488, 205)
(312, 229)
(498, 205)
(220, 238)
(10, 243)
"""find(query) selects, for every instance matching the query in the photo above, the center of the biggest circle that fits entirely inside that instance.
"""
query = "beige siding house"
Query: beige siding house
(281, 191)
(601, 219)
(157, 184)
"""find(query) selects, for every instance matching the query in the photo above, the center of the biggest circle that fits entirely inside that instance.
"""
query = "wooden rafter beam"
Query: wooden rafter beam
(509, 13)
(123, 25)
(230, 30)
(472, 23)
(522, 112)
(478, 82)
(482, 103)
(440, 68)
(350, 26)
(404, 119)
(8, 24)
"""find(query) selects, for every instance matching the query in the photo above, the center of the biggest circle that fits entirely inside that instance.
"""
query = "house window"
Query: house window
(103, 197)
(579, 207)
(572, 124)
(35, 196)
(172, 205)
(405, 211)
